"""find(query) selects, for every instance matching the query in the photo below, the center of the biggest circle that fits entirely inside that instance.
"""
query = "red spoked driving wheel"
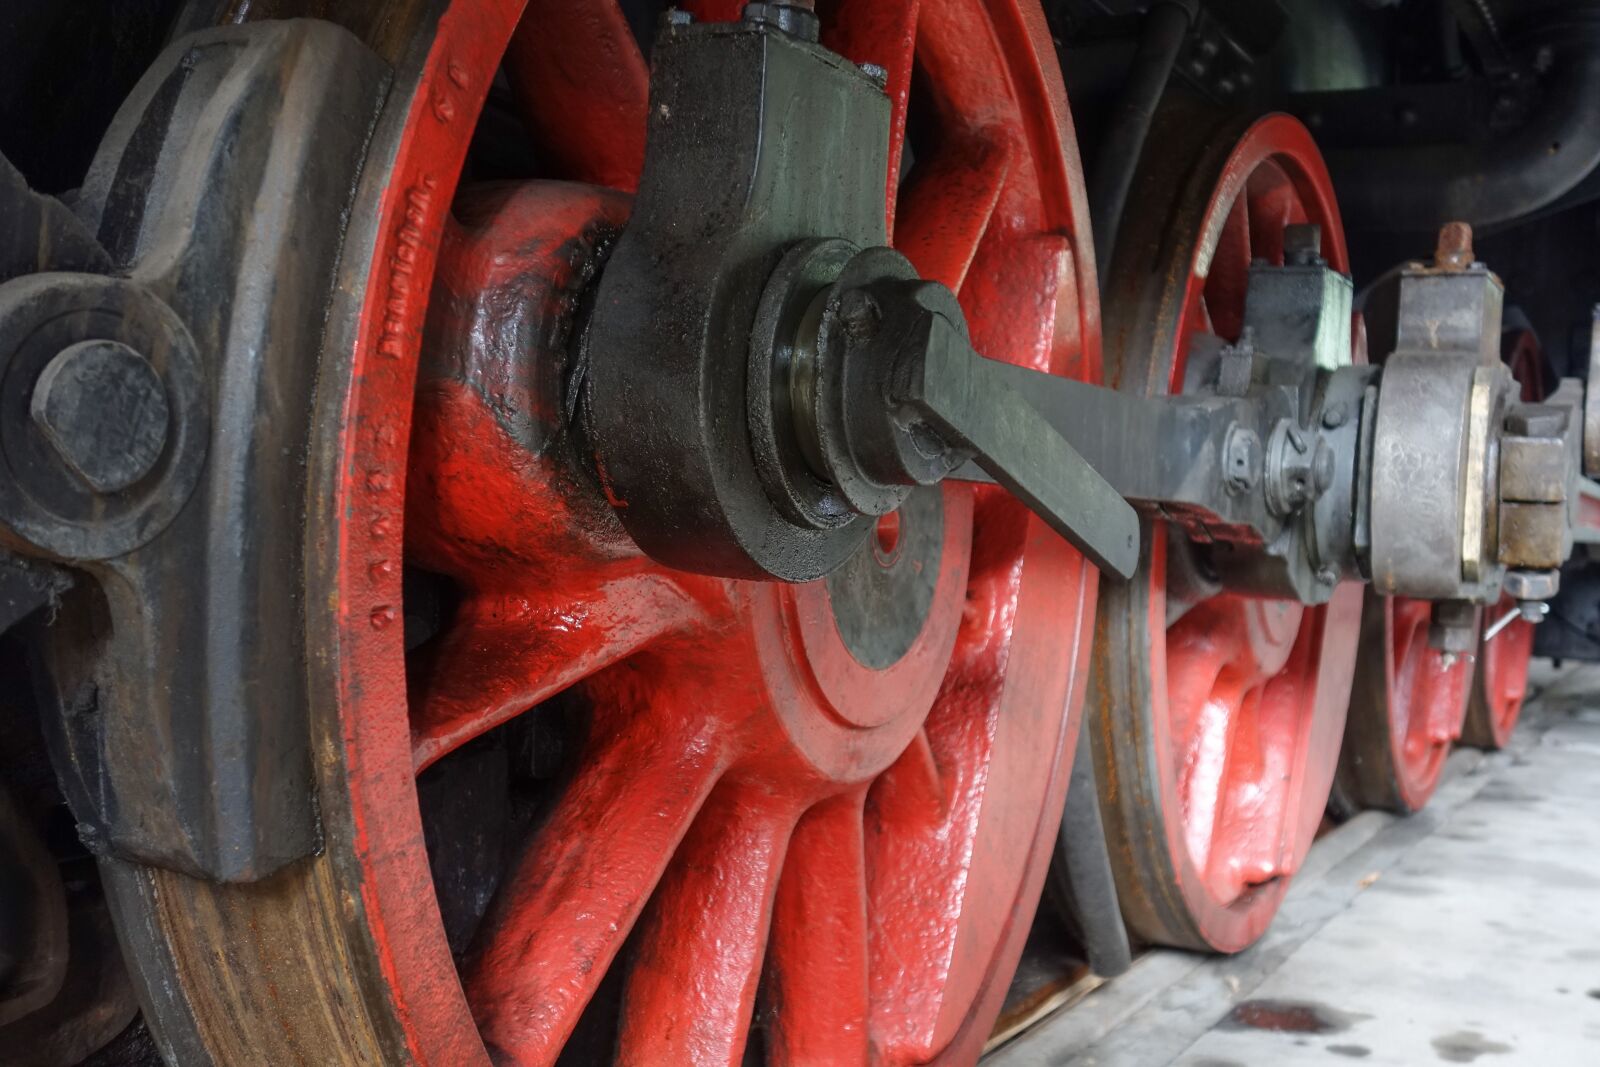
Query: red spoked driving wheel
(578, 805)
(1216, 717)
(1407, 708)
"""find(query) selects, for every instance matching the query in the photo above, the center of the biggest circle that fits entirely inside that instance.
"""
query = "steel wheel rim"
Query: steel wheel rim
(1198, 863)
(362, 640)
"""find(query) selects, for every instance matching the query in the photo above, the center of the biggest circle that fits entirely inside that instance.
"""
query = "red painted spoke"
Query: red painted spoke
(582, 89)
(910, 792)
(692, 988)
(1274, 205)
(1229, 275)
(942, 888)
(817, 973)
(585, 876)
(1414, 676)
(960, 176)
(488, 488)
(1247, 843)
(1202, 645)
(507, 652)
(1222, 660)
(1207, 751)
(883, 33)
(947, 203)
(478, 504)
(1505, 675)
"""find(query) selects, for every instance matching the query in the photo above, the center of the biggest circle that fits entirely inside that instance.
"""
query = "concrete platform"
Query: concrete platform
(1469, 933)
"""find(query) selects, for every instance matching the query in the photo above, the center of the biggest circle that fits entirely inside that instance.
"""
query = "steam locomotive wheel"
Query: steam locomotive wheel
(1215, 717)
(1501, 682)
(1406, 711)
(810, 822)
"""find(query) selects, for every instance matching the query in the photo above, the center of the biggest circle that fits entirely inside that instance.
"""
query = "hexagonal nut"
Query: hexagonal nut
(1532, 585)
(1457, 640)
(1234, 370)
(1241, 460)
(1536, 420)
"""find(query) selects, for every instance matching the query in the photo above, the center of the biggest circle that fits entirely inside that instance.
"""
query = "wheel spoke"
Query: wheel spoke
(583, 879)
(1207, 758)
(692, 988)
(582, 89)
(490, 473)
(947, 204)
(505, 653)
(1229, 274)
(817, 975)
(1410, 669)
(884, 34)
(1274, 205)
(1247, 835)
(1200, 646)
(910, 792)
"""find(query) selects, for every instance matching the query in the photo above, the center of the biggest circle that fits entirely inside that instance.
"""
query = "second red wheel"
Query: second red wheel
(1215, 716)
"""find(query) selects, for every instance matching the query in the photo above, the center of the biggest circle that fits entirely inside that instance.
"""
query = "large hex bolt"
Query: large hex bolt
(1454, 250)
(104, 409)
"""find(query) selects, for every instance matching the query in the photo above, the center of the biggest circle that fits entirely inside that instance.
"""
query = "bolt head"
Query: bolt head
(1532, 585)
(677, 18)
(1457, 640)
(1454, 250)
(1323, 467)
(1302, 244)
(1241, 460)
(879, 75)
(795, 20)
(104, 410)
(1536, 420)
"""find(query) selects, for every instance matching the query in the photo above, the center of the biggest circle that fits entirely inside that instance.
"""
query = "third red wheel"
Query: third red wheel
(1215, 717)
(1501, 681)
(1406, 709)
